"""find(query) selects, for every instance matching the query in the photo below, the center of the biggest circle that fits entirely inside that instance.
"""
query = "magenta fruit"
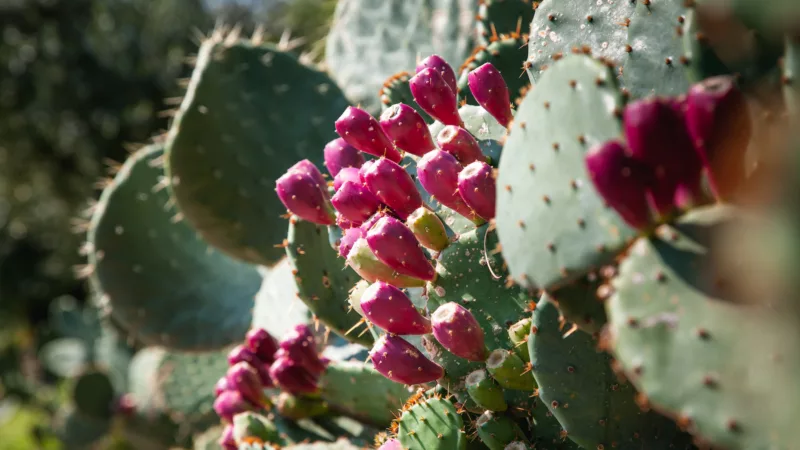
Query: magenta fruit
(438, 63)
(438, 173)
(309, 168)
(491, 92)
(349, 237)
(242, 377)
(300, 345)
(241, 353)
(476, 184)
(393, 186)
(407, 129)
(389, 308)
(401, 362)
(301, 194)
(230, 403)
(459, 332)
(339, 154)
(359, 129)
(346, 174)
(355, 202)
(292, 376)
(369, 267)
(397, 247)
(260, 342)
(227, 441)
(222, 386)
(435, 97)
(460, 143)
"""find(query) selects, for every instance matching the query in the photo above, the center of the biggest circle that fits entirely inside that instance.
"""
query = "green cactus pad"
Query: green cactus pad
(93, 394)
(700, 60)
(560, 26)
(496, 430)
(432, 424)
(372, 39)
(578, 386)
(670, 326)
(579, 304)
(278, 308)
(791, 77)
(323, 284)
(553, 226)
(771, 18)
(507, 54)
(253, 425)
(77, 431)
(503, 17)
(251, 112)
(397, 90)
(160, 280)
(357, 390)
(653, 66)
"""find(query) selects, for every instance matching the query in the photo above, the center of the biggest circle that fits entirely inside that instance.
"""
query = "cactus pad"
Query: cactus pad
(553, 226)
(93, 394)
(160, 280)
(503, 17)
(579, 304)
(507, 54)
(671, 325)
(791, 77)
(701, 61)
(278, 308)
(432, 424)
(250, 113)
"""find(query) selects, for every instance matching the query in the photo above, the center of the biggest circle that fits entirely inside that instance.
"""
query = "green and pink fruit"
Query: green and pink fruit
(369, 267)
(476, 185)
(389, 308)
(349, 238)
(428, 229)
(407, 129)
(359, 129)
(435, 97)
(401, 362)
(459, 332)
(397, 247)
(491, 92)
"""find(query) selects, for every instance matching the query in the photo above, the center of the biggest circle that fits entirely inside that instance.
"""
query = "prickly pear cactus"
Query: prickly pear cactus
(507, 53)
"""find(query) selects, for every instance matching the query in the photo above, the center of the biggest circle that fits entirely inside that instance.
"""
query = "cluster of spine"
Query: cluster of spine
(292, 365)
(671, 145)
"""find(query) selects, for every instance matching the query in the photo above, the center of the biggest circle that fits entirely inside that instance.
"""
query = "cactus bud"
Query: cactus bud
(355, 202)
(359, 129)
(458, 331)
(300, 346)
(621, 181)
(497, 431)
(227, 441)
(491, 92)
(222, 386)
(476, 184)
(243, 378)
(260, 342)
(438, 172)
(718, 121)
(301, 194)
(241, 353)
(354, 298)
(518, 334)
(249, 426)
(509, 370)
(339, 154)
(370, 268)
(438, 63)
(344, 175)
(460, 143)
(350, 236)
(309, 168)
(397, 247)
(407, 129)
(428, 229)
(435, 97)
(389, 308)
(393, 186)
(485, 392)
(230, 403)
(401, 362)
(292, 377)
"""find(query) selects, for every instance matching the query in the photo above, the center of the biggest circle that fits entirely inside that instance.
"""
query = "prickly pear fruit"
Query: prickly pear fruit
(393, 186)
(428, 229)
(401, 362)
(394, 244)
(309, 168)
(476, 185)
(354, 298)
(359, 129)
(497, 431)
(718, 121)
(297, 408)
(241, 353)
(509, 370)
(518, 334)
(391, 444)
(249, 425)
(460, 143)
(355, 202)
(407, 129)
(344, 175)
(292, 377)
(370, 268)
(656, 135)
(339, 154)
(301, 194)
(300, 346)
(485, 392)
(243, 377)
(435, 97)
(438, 63)
(491, 92)
(222, 386)
(260, 342)
(230, 403)
(459, 332)
(389, 308)
(227, 441)
(622, 182)
(349, 237)
(438, 172)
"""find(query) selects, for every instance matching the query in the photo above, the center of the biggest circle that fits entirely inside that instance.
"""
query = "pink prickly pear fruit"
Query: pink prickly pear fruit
(302, 195)
(230, 403)
(371, 221)
(438, 173)
(459, 332)
(491, 92)
(300, 345)
(292, 377)
(309, 168)
(428, 229)
(622, 182)
(393, 186)
(355, 202)
(460, 143)
(438, 63)
(370, 268)
(350, 236)
(339, 154)
(401, 362)
(656, 135)
(397, 247)
(227, 440)
(242, 377)
(434, 96)
(363, 170)
(346, 174)
(241, 353)
(263, 344)
(223, 385)
(359, 129)
(476, 184)
(389, 308)
(718, 121)
(407, 129)
(343, 222)
(391, 444)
